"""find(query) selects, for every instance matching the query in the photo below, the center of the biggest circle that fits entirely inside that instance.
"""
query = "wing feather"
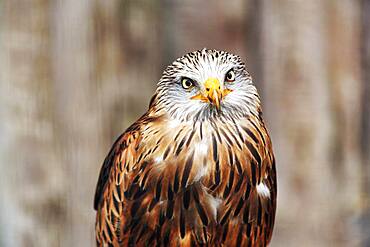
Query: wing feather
(106, 169)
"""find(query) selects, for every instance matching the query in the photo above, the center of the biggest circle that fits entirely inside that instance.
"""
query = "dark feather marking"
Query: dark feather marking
(155, 132)
(152, 204)
(202, 214)
(152, 100)
(147, 153)
(129, 191)
(228, 140)
(159, 141)
(186, 198)
(267, 219)
(136, 179)
(255, 230)
(158, 189)
(190, 137)
(105, 237)
(249, 228)
(195, 195)
(115, 205)
(254, 152)
(226, 192)
(238, 207)
(238, 166)
(166, 236)
(136, 209)
(230, 184)
(239, 183)
(139, 193)
(201, 130)
(109, 232)
(161, 218)
(231, 157)
(231, 178)
(181, 144)
(259, 132)
(169, 211)
(155, 149)
(177, 135)
(246, 214)
(250, 134)
(225, 217)
(240, 236)
(111, 216)
(169, 192)
(182, 224)
(253, 171)
(214, 145)
(119, 191)
(218, 136)
(146, 175)
(224, 233)
(187, 169)
(247, 191)
(235, 138)
(176, 181)
(144, 165)
(166, 152)
(127, 166)
(259, 212)
(197, 115)
(259, 173)
(217, 176)
(205, 234)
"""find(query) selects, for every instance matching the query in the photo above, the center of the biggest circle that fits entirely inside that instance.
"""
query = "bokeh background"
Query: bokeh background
(75, 74)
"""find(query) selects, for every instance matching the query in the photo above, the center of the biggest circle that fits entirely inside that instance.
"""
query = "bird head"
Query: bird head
(207, 84)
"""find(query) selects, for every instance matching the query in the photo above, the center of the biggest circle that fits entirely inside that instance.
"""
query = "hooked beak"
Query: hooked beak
(213, 93)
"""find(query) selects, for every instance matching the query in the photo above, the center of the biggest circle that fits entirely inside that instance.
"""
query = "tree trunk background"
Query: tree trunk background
(75, 74)
(312, 82)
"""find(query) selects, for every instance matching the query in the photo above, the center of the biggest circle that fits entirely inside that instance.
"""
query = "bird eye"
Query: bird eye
(187, 83)
(230, 76)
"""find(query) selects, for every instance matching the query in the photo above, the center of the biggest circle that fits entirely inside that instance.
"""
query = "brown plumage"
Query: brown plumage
(203, 177)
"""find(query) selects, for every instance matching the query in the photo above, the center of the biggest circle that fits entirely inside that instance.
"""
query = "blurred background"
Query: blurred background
(75, 74)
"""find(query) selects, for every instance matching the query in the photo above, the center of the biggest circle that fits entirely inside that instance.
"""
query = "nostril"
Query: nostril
(207, 89)
(219, 87)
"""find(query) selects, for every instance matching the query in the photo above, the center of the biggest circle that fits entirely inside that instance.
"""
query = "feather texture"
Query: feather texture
(141, 200)
(188, 183)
